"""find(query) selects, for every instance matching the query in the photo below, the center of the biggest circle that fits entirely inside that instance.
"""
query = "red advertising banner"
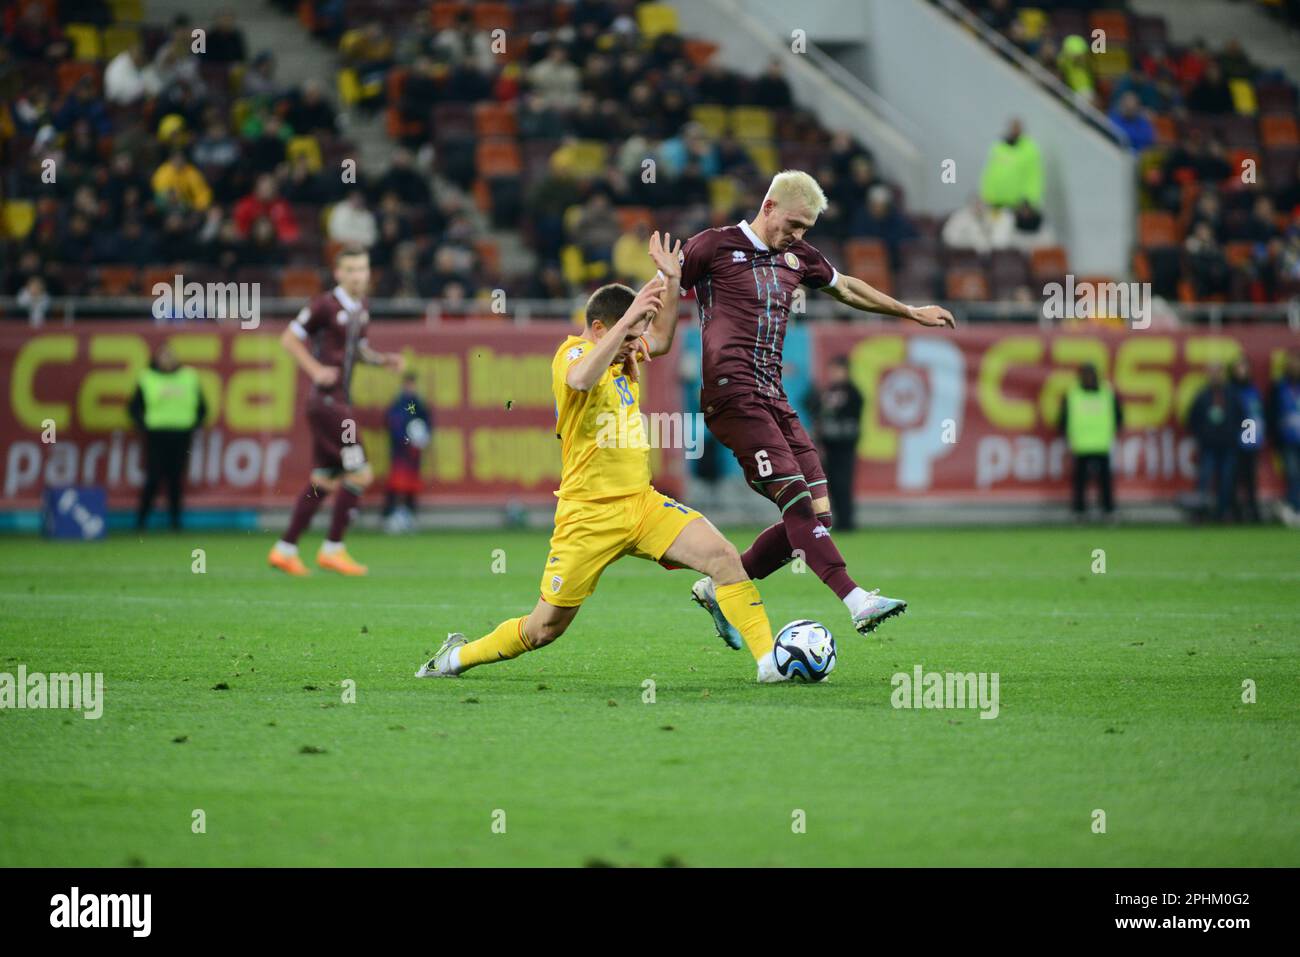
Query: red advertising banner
(64, 393)
(973, 414)
(967, 415)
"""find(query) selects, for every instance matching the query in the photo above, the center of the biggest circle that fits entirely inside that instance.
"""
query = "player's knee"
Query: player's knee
(724, 562)
(538, 636)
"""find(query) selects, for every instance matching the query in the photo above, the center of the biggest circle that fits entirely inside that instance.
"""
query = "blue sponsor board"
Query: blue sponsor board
(79, 512)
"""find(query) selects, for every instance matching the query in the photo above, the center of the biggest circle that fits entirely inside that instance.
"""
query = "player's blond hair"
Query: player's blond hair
(794, 186)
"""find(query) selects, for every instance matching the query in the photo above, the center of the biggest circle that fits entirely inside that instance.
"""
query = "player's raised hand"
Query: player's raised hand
(648, 300)
(934, 316)
(665, 255)
(325, 376)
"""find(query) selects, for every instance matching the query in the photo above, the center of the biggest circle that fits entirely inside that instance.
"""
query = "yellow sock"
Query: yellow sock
(744, 609)
(504, 642)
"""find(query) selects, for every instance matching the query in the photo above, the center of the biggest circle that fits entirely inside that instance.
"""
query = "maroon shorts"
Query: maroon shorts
(768, 441)
(335, 436)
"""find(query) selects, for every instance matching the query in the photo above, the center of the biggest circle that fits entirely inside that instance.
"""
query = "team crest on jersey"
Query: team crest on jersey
(342, 317)
(792, 260)
(573, 353)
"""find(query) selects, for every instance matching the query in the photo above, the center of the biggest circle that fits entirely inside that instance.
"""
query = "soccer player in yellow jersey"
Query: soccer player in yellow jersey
(607, 507)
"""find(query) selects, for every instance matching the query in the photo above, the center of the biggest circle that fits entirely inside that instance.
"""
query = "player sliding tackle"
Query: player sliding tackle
(607, 507)
(744, 277)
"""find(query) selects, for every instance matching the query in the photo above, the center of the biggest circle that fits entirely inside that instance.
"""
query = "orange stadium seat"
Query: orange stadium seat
(1166, 129)
(443, 15)
(497, 158)
(1279, 129)
(118, 280)
(154, 275)
(970, 285)
(629, 217)
(1114, 23)
(1157, 229)
(495, 119)
(865, 255)
(71, 72)
(300, 282)
(699, 52)
(1048, 263)
(1238, 253)
(491, 16)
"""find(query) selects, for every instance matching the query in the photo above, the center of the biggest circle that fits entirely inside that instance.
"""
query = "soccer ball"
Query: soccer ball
(804, 650)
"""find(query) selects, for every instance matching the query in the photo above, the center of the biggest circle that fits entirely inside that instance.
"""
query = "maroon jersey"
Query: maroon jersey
(333, 325)
(744, 289)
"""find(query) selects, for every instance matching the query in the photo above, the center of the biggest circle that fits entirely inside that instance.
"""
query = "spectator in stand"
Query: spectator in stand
(1030, 230)
(980, 227)
(259, 79)
(1215, 422)
(1207, 264)
(177, 184)
(596, 229)
(1261, 227)
(34, 298)
(880, 219)
(369, 51)
(998, 15)
(83, 103)
(266, 142)
(1211, 94)
(265, 202)
(36, 37)
(463, 43)
(263, 247)
(225, 40)
(1013, 172)
(1287, 197)
(692, 143)
(771, 89)
(1250, 440)
(306, 185)
(405, 180)
(351, 223)
(1129, 116)
(1075, 66)
(309, 112)
(631, 264)
(217, 152)
(555, 79)
(1284, 426)
(129, 77)
(175, 62)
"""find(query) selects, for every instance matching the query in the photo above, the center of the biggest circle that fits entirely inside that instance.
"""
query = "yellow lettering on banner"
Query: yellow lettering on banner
(97, 410)
(868, 362)
(379, 450)
(1148, 393)
(36, 352)
(448, 459)
(1069, 351)
(1202, 351)
(260, 398)
(1003, 412)
(193, 349)
(522, 455)
(523, 380)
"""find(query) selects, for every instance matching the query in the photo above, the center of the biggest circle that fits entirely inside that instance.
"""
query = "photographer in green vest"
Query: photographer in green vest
(1091, 417)
(167, 407)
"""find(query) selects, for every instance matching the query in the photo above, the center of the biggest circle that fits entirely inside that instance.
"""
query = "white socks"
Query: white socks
(857, 601)
(767, 672)
(453, 661)
(333, 548)
(284, 548)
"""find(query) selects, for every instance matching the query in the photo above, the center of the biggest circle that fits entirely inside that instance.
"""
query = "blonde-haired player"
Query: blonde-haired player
(745, 277)
(607, 507)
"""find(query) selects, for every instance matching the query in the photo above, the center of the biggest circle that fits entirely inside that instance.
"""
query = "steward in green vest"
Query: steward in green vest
(1091, 418)
(167, 407)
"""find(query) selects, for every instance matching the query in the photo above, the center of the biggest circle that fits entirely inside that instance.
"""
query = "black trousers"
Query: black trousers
(1085, 467)
(841, 460)
(167, 454)
(1245, 506)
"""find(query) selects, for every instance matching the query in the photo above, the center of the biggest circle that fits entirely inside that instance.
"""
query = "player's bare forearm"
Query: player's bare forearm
(586, 372)
(393, 360)
(667, 257)
(863, 296)
(301, 354)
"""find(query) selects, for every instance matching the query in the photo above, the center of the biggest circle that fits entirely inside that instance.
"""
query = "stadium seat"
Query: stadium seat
(495, 119)
(751, 123)
(155, 275)
(452, 120)
(1166, 129)
(1048, 264)
(1238, 253)
(1279, 129)
(723, 193)
(349, 86)
(19, 217)
(127, 11)
(969, 285)
(1243, 97)
(1114, 23)
(629, 217)
(1033, 22)
(581, 158)
(712, 118)
(1156, 229)
(1237, 131)
(1150, 33)
(443, 14)
(865, 255)
(84, 38)
(492, 16)
(71, 72)
(118, 39)
(764, 157)
(1112, 64)
(297, 282)
(117, 280)
(1008, 269)
(699, 52)
(497, 157)
(306, 147)
(656, 19)
(1276, 98)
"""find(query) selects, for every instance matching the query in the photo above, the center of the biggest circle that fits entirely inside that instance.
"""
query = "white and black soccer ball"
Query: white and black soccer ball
(804, 650)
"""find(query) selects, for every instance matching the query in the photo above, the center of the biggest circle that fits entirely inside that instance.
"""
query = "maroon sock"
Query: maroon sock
(813, 539)
(345, 500)
(303, 511)
(769, 552)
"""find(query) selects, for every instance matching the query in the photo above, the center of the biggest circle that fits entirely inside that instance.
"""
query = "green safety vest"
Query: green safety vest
(1090, 420)
(171, 399)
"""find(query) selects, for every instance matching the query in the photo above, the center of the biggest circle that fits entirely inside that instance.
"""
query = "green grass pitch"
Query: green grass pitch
(1119, 691)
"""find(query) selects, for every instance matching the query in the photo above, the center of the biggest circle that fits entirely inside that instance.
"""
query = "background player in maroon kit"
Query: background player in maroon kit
(744, 277)
(328, 338)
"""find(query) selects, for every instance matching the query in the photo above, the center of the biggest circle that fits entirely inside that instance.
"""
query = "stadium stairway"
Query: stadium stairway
(1268, 42)
(298, 57)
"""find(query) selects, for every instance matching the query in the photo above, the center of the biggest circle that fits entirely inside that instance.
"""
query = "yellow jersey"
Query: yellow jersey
(604, 448)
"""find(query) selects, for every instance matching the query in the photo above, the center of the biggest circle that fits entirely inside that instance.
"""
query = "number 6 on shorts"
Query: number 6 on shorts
(764, 466)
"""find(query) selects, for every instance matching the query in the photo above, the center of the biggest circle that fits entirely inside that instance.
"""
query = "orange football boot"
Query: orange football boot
(289, 564)
(340, 562)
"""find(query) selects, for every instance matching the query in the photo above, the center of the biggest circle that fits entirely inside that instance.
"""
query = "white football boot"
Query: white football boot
(438, 666)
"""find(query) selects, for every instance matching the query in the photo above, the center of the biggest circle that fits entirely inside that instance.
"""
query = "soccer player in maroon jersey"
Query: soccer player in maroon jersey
(744, 277)
(328, 338)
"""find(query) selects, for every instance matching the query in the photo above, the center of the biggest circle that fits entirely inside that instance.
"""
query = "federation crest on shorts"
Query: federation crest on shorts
(556, 582)
(792, 260)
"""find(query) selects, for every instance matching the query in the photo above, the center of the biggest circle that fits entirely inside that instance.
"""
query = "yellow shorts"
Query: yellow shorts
(591, 536)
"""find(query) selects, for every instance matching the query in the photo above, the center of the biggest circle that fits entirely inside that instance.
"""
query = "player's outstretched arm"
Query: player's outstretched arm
(586, 372)
(322, 375)
(854, 292)
(393, 360)
(663, 327)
